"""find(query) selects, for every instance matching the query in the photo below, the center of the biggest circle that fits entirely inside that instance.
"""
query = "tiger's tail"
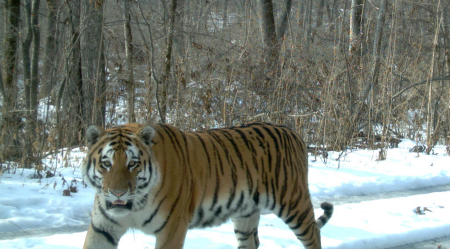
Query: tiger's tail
(327, 213)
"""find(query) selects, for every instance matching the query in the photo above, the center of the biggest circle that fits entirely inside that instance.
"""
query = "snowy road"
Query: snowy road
(429, 244)
(380, 196)
(441, 243)
(438, 243)
(41, 232)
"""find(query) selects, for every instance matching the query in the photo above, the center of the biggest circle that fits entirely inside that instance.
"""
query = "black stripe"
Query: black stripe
(216, 191)
(103, 212)
(226, 134)
(274, 194)
(278, 154)
(154, 213)
(300, 220)
(291, 218)
(256, 195)
(174, 205)
(311, 225)
(105, 233)
(204, 147)
(174, 140)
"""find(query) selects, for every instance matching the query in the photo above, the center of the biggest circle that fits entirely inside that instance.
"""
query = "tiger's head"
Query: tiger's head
(121, 167)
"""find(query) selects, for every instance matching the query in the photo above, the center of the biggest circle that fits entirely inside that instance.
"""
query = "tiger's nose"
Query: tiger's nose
(117, 193)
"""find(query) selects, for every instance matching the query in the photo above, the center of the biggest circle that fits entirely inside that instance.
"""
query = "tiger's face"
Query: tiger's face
(120, 166)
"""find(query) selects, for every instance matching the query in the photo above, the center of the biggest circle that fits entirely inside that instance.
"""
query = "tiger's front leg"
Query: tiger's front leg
(171, 237)
(100, 238)
(246, 231)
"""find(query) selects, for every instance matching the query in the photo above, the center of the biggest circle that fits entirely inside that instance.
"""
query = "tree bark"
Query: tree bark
(129, 63)
(269, 38)
(377, 48)
(73, 89)
(167, 62)
(430, 140)
(320, 11)
(225, 13)
(34, 68)
(93, 63)
(355, 26)
(26, 44)
(284, 20)
(10, 124)
(49, 49)
(308, 20)
(30, 73)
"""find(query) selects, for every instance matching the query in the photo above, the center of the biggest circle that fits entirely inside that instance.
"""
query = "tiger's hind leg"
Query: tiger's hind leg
(301, 222)
(246, 231)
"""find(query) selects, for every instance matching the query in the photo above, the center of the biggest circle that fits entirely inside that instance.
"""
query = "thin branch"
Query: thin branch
(420, 83)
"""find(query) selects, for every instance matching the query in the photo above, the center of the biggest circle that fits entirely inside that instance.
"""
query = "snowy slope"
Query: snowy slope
(27, 203)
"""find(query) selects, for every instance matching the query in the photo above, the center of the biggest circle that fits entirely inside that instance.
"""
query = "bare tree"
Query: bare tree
(129, 62)
(284, 20)
(320, 7)
(167, 61)
(93, 62)
(430, 116)
(356, 18)
(377, 49)
(269, 34)
(72, 86)
(48, 66)
(11, 120)
(34, 66)
(31, 71)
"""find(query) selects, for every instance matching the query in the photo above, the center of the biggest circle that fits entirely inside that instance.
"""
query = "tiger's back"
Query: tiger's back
(205, 178)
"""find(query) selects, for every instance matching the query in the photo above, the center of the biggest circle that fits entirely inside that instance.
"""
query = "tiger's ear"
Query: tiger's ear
(146, 134)
(93, 134)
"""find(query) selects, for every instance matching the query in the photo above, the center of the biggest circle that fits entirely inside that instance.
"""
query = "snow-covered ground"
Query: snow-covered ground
(28, 203)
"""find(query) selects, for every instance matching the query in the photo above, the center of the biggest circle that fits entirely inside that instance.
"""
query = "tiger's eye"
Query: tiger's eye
(131, 164)
(106, 164)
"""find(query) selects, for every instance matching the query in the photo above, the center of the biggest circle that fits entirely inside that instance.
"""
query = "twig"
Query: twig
(18, 227)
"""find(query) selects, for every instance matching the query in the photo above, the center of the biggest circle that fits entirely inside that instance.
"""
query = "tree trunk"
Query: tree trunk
(93, 63)
(49, 49)
(30, 74)
(34, 68)
(225, 13)
(355, 26)
(377, 48)
(26, 44)
(319, 19)
(129, 62)
(73, 90)
(308, 19)
(284, 20)
(167, 63)
(269, 38)
(430, 140)
(446, 32)
(10, 125)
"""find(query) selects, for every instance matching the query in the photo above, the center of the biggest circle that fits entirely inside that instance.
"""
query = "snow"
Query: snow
(29, 203)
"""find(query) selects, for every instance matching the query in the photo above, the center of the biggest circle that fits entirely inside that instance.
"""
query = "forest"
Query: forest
(342, 73)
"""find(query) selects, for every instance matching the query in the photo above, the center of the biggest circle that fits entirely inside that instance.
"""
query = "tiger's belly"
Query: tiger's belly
(211, 213)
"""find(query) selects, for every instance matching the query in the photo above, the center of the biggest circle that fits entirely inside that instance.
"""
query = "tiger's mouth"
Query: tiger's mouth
(119, 204)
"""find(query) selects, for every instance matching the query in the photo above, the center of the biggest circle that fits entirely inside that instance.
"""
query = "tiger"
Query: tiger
(164, 181)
